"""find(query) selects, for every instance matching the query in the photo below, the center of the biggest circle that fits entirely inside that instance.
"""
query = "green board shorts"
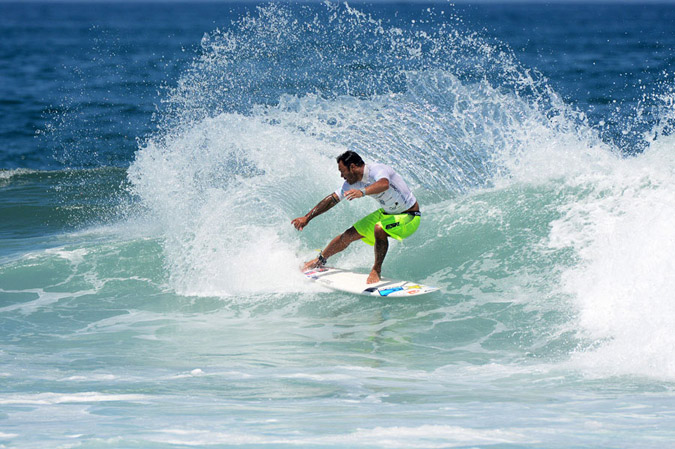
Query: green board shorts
(399, 226)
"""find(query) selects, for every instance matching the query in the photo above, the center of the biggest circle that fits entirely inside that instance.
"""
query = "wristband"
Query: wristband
(363, 190)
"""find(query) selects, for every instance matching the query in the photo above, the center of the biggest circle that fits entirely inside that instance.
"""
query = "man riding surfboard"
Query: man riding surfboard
(399, 216)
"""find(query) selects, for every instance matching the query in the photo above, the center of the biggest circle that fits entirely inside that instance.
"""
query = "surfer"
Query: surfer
(399, 216)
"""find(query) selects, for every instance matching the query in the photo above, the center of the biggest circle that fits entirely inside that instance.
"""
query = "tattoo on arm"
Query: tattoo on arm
(324, 205)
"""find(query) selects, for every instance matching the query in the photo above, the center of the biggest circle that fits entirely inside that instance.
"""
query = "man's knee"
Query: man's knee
(380, 233)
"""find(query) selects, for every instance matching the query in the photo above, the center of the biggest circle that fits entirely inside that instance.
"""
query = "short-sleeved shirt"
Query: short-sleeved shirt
(396, 199)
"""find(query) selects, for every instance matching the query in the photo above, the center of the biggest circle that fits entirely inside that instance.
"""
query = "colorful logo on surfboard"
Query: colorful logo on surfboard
(409, 289)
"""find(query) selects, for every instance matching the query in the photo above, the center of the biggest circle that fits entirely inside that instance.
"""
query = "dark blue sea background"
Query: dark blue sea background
(83, 82)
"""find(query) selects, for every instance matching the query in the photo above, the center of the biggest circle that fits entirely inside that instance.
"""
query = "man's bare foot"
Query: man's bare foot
(314, 263)
(373, 277)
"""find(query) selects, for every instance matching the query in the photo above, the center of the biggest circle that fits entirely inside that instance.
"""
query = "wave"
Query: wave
(37, 204)
(9, 174)
(524, 201)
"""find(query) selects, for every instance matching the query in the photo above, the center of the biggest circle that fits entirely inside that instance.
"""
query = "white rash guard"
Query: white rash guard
(395, 200)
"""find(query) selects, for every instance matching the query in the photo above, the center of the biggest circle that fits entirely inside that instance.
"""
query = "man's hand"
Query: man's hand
(353, 194)
(325, 204)
(300, 223)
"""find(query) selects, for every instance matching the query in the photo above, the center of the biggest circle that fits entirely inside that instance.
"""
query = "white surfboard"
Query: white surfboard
(352, 282)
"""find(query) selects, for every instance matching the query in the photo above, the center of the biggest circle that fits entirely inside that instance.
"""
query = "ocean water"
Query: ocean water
(152, 156)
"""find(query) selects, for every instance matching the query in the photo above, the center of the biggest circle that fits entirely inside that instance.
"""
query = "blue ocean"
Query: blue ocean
(153, 155)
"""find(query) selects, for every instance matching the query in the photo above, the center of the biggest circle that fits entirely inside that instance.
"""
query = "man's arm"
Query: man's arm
(377, 187)
(324, 205)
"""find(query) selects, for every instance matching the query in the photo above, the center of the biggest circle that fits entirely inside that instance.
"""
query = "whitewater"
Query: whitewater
(161, 303)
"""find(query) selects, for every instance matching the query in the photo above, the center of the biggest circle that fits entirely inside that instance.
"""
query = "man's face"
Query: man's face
(347, 173)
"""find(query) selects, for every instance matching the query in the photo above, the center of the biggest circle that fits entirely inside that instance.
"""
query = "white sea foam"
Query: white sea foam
(70, 398)
(426, 436)
(623, 286)
(74, 256)
(92, 377)
(44, 299)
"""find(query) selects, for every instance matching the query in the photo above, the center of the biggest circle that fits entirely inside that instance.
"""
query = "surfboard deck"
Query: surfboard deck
(353, 282)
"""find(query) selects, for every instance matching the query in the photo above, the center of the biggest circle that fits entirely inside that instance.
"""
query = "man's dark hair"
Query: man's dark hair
(350, 157)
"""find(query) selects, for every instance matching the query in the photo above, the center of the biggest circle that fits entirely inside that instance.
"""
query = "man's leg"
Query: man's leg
(336, 245)
(381, 247)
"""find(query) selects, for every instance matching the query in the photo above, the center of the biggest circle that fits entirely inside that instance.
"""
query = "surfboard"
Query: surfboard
(353, 282)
